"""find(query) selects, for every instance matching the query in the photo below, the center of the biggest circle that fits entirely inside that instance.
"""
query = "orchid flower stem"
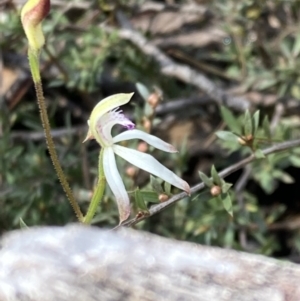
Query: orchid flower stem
(35, 71)
(98, 194)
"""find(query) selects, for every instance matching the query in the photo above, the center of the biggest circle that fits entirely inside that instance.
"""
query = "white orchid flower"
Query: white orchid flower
(103, 117)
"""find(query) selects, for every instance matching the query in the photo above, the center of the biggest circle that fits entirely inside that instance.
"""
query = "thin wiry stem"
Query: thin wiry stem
(239, 188)
(34, 67)
(224, 173)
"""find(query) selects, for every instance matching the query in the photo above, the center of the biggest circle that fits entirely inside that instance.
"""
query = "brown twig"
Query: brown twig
(57, 133)
(181, 72)
(181, 103)
(224, 173)
(63, 4)
(279, 111)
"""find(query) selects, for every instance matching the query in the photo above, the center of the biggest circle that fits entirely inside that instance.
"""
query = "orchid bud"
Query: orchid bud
(32, 15)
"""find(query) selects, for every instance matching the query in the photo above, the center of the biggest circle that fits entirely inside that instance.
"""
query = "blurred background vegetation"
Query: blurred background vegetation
(247, 48)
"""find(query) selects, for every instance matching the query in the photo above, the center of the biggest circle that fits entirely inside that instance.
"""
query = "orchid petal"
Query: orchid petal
(105, 124)
(109, 103)
(103, 107)
(150, 139)
(151, 165)
(115, 183)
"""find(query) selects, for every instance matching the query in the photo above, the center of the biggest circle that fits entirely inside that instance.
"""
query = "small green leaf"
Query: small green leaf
(203, 196)
(230, 120)
(267, 182)
(216, 178)
(255, 122)
(206, 180)
(295, 91)
(296, 46)
(14, 153)
(259, 154)
(214, 204)
(156, 185)
(251, 207)
(266, 83)
(22, 224)
(143, 91)
(140, 201)
(227, 136)
(227, 203)
(267, 128)
(148, 110)
(296, 150)
(218, 198)
(284, 47)
(229, 236)
(275, 214)
(283, 176)
(167, 187)
(295, 160)
(226, 187)
(283, 88)
(248, 124)
(149, 196)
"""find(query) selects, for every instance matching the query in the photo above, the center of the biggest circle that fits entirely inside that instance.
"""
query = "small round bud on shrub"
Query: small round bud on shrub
(131, 171)
(215, 190)
(241, 141)
(153, 100)
(32, 15)
(246, 140)
(142, 147)
(163, 197)
(147, 124)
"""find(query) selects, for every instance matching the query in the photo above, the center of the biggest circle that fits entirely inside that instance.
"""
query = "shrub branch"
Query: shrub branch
(224, 173)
